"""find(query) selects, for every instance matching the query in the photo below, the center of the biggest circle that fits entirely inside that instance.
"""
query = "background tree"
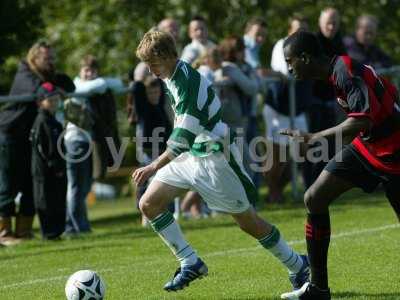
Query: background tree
(20, 26)
(111, 29)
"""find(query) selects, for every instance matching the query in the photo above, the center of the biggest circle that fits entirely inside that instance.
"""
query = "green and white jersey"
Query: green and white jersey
(198, 127)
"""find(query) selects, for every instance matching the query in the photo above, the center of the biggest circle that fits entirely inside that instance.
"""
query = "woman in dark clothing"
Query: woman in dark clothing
(16, 120)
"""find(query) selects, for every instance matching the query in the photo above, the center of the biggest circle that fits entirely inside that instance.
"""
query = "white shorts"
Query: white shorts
(223, 184)
(275, 122)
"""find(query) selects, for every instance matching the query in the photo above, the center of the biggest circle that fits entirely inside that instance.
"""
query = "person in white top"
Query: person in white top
(278, 63)
(78, 144)
(254, 38)
(277, 120)
(200, 43)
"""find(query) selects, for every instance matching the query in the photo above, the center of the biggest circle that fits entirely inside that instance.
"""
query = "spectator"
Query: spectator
(148, 102)
(249, 106)
(276, 115)
(323, 113)
(16, 120)
(171, 26)
(329, 34)
(48, 165)
(237, 88)
(198, 33)
(79, 140)
(232, 50)
(362, 46)
(278, 63)
(211, 63)
(254, 37)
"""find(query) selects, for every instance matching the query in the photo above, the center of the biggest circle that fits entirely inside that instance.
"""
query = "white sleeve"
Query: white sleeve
(278, 62)
(114, 84)
(97, 86)
(141, 71)
(189, 54)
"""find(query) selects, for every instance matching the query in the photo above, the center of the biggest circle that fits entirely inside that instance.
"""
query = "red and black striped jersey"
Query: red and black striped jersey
(362, 93)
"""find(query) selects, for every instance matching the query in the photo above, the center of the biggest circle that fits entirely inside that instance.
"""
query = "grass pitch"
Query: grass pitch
(135, 264)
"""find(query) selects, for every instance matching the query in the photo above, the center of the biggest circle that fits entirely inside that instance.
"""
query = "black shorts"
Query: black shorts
(351, 166)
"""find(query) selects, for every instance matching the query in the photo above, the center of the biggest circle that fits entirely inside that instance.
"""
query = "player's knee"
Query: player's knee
(145, 205)
(150, 205)
(315, 202)
(309, 199)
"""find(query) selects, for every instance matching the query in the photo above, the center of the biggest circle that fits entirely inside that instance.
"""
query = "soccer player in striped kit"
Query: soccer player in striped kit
(201, 156)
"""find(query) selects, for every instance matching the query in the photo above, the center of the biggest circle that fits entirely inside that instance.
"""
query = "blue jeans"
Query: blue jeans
(79, 174)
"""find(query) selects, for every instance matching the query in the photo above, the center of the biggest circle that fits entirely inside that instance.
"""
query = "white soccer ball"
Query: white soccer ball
(85, 285)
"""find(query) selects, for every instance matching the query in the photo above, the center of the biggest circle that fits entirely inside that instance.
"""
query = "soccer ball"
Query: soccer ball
(85, 285)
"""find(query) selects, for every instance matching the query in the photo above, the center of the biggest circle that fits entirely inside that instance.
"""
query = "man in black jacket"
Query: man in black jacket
(16, 120)
(362, 46)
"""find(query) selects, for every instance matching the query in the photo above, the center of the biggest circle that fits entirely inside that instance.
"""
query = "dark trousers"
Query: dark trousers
(15, 177)
(50, 201)
(320, 116)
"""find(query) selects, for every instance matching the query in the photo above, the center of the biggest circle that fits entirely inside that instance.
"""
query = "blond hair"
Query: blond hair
(34, 53)
(156, 44)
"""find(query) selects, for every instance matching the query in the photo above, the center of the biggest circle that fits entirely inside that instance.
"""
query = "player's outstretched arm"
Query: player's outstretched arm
(349, 129)
(140, 175)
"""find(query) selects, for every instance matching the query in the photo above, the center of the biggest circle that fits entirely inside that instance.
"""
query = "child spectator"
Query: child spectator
(148, 103)
(48, 165)
(79, 140)
(210, 63)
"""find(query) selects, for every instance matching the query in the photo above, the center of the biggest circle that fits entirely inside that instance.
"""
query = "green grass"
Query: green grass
(135, 264)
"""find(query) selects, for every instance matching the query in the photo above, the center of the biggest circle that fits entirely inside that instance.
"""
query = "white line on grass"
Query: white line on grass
(217, 253)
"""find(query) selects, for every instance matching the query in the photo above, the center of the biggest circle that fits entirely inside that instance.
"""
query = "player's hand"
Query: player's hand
(141, 175)
(302, 137)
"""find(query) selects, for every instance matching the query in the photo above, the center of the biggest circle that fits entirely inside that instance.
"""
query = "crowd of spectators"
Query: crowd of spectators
(56, 187)
(237, 72)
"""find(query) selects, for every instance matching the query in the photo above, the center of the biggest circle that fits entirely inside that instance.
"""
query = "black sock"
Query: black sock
(318, 235)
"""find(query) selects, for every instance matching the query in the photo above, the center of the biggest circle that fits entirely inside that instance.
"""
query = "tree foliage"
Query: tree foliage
(20, 26)
(111, 29)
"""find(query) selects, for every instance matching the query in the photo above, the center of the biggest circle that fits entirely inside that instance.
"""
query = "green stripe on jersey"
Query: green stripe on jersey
(196, 107)
(181, 139)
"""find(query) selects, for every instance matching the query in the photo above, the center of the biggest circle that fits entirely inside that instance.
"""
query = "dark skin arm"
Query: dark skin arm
(349, 129)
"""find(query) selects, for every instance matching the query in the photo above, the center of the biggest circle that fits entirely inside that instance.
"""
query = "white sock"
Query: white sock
(168, 229)
(275, 244)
